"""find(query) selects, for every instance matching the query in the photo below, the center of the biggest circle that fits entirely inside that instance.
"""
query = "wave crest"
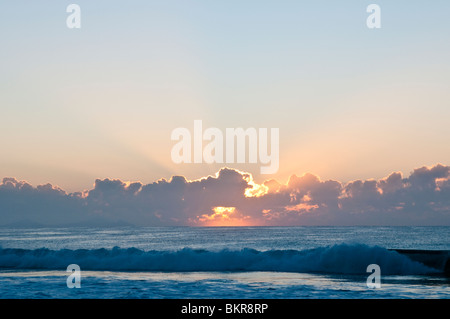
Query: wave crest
(338, 259)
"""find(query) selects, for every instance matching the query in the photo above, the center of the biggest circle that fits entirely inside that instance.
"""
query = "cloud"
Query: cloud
(45, 204)
(232, 197)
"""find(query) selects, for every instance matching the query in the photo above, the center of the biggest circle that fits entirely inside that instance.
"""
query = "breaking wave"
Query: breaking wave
(337, 259)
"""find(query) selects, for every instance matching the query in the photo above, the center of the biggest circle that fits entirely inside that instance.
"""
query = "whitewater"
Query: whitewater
(221, 262)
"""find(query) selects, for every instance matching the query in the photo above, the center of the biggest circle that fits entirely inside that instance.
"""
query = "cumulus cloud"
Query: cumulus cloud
(232, 197)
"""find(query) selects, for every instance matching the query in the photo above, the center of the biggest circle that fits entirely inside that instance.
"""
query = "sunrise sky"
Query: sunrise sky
(101, 102)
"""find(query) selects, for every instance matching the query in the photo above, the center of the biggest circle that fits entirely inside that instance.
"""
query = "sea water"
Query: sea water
(220, 262)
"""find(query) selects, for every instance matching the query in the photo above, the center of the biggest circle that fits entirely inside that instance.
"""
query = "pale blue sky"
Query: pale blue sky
(101, 101)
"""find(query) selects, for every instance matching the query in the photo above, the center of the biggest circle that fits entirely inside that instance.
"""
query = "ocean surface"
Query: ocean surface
(220, 262)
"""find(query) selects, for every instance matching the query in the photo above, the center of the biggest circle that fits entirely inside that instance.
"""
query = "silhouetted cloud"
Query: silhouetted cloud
(231, 197)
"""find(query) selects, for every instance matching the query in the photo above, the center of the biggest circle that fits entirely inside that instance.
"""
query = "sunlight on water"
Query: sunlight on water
(107, 284)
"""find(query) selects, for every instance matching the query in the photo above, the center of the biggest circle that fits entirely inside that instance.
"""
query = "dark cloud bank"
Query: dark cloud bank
(423, 198)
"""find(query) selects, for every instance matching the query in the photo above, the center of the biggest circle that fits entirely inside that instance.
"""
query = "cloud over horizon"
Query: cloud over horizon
(232, 198)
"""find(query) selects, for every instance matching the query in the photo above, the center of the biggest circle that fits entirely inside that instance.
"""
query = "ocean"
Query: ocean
(221, 262)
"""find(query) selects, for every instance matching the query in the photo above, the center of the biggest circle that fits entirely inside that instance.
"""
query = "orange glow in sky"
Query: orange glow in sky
(224, 216)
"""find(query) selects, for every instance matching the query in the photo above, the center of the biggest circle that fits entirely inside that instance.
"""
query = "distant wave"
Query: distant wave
(337, 259)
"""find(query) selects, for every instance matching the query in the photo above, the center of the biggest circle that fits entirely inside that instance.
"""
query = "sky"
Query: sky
(99, 103)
